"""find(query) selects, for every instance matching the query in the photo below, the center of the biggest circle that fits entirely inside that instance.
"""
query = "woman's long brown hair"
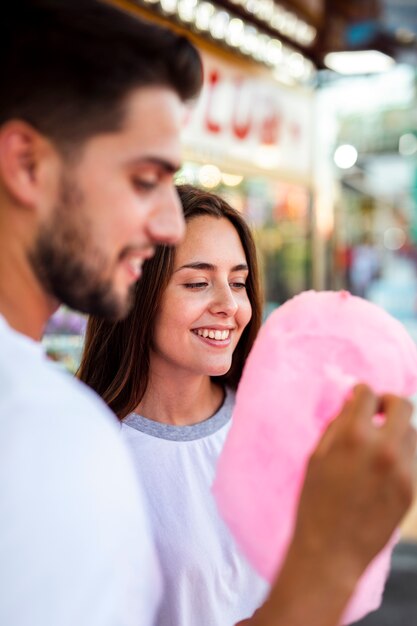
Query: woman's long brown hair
(116, 356)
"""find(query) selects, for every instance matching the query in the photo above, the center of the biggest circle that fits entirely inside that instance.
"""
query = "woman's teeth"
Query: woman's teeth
(220, 335)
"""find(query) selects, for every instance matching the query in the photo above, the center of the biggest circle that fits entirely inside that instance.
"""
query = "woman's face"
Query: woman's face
(205, 306)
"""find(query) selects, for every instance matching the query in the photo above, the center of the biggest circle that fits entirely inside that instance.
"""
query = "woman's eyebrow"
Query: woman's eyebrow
(199, 265)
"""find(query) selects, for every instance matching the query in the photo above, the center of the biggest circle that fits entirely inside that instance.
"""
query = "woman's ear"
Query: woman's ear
(23, 155)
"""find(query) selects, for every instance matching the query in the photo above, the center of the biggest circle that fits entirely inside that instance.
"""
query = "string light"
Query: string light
(288, 64)
(235, 32)
(169, 6)
(203, 15)
(219, 24)
(186, 10)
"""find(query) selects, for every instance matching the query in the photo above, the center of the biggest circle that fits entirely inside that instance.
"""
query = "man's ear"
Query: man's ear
(23, 153)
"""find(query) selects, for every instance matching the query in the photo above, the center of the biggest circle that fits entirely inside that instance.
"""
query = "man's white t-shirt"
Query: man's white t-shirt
(75, 546)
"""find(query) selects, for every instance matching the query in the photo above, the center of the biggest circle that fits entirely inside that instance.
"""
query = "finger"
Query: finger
(359, 408)
(406, 467)
(362, 407)
(398, 413)
(395, 443)
(409, 447)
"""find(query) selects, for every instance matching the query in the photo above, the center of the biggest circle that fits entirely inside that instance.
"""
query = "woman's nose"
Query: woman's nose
(224, 302)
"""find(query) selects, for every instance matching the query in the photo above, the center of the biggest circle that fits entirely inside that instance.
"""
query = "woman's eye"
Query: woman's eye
(195, 285)
(238, 285)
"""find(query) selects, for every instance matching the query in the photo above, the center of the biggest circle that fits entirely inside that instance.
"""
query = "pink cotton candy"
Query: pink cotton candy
(308, 355)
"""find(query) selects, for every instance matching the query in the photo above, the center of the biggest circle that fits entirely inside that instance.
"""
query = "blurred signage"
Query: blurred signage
(242, 118)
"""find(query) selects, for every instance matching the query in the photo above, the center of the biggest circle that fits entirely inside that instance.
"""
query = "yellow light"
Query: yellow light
(231, 180)
(209, 176)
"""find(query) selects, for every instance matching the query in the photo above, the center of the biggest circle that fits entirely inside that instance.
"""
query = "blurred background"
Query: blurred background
(308, 125)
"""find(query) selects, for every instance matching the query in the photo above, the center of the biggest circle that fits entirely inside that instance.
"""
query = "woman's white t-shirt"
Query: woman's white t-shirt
(206, 579)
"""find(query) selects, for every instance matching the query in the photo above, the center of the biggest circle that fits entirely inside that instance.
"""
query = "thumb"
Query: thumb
(357, 411)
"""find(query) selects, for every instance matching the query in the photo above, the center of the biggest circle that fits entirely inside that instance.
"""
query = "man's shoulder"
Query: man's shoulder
(58, 435)
(32, 385)
(49, 417)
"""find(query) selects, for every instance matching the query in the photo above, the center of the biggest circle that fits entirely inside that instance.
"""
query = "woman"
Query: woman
(169, 371)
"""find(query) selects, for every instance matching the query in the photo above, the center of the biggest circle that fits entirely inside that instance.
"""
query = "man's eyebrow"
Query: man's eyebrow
(198, 265)
(167, 166)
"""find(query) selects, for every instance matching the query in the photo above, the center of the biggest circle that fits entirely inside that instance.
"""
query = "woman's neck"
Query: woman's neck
(180, 403)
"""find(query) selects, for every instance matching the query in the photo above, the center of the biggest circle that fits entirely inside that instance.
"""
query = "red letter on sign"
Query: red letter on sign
(271, 125)
(213, 80)
(240, 130)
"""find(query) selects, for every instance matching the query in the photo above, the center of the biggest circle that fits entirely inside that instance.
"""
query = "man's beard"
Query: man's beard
(68, 264)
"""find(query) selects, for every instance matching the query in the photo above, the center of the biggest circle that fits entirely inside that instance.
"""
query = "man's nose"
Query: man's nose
(166, 224)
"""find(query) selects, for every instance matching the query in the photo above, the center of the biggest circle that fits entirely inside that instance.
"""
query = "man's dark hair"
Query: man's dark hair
(67, 66)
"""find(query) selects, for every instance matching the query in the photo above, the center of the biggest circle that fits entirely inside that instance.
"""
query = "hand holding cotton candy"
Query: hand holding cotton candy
(306, 359)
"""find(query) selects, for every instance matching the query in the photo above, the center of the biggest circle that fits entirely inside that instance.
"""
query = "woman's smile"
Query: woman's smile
(214, 337)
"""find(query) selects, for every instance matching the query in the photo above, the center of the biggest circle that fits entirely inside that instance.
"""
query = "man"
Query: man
(90, 114)
(89, 136)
